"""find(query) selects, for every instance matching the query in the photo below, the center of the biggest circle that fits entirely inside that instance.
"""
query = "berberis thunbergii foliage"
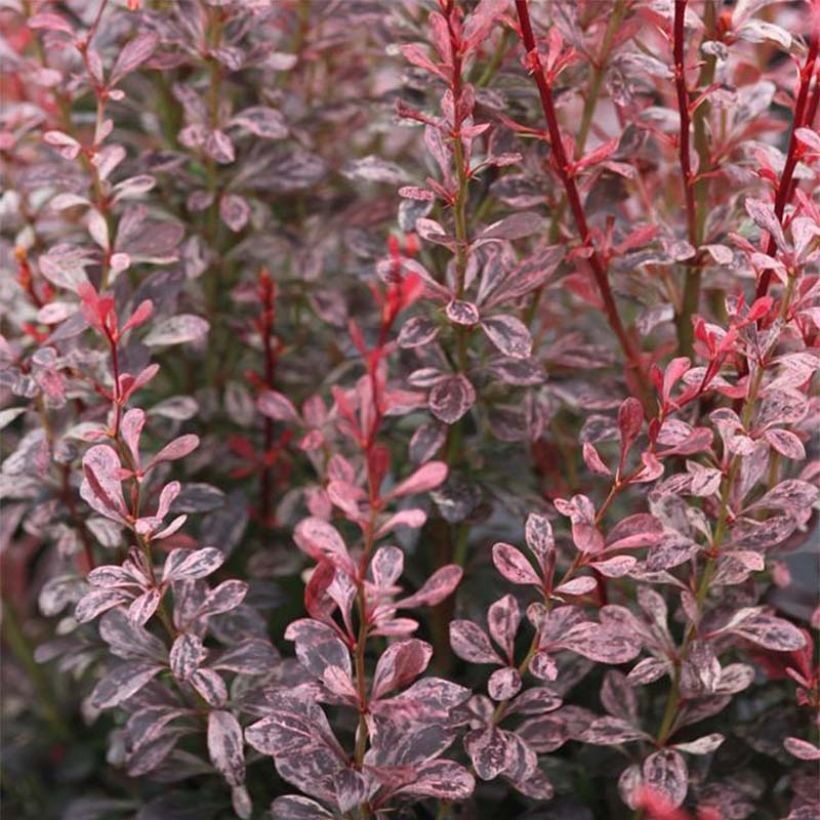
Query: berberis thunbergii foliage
(407, 409)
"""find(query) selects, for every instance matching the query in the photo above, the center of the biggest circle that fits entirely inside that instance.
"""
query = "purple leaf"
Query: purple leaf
(462, 313)
(234, 211)
(261, 121)
(786, 443)
(509, 335)
(451, 398)
(210, 686)
(182, 564)
(133, 55)
(186, 655)
(400, 664)
(277, 406)
(671, 551)
(295, 807)
(471, 643)
(666, 772)
(514, 227)
(702, 746)
(122, 682)
(427, 477)
(514, 566)
(442, 779)
(791, 495)
(770, 632)
(503, 619)
(611, 731)
(489, 750)
(436, 588)
(801, 749)
(504, 683)
(97, 601)
(582, 585)
(317, 647)
(225, 746)
(386, 566)
(180, 329)
(598, 643)
(223, 598)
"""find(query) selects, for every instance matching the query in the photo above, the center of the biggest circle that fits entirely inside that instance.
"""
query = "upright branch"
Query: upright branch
(805, 110)
(564, 170)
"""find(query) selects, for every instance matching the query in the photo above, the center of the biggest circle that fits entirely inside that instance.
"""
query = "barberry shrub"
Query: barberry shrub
(408, 408)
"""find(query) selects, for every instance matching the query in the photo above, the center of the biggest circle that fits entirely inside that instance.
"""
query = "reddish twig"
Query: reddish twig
(803, 107)
(562, 166)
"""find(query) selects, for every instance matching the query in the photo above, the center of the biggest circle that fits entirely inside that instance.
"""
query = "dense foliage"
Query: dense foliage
(407, 408)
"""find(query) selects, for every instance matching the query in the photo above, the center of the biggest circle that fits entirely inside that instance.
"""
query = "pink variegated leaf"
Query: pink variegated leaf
(702, 746)
(504, 684)
(133, 55)
(97, 601)
(516, 226)
(122, 682)
(339, 682)
(471, 643)
(539, 537)
(101, 487)
(277, 406)
(412, 518)
(182, 564)
(616, 567)
(462, 313)
(611, 731)
(386, 566)
(490, 750)
(223, 598)
(786, 443)
(509, 335)
(503, 619)
(514, 566)
(210, 685)
(593, 460)
(770, 632)
(436, 588)
(792, 495)
(144, 606)
(427, 477)
(187, 653)
(320, 540)
(582, 585)
(131, 429)
(451, 398)
(442, 779)
(400, 664)
(801, 749)
(296, 807)
(630, 421)
(318, 646)
(665, 771)
(178, 448)
(601, 644)
(671, 551)
(647, 671)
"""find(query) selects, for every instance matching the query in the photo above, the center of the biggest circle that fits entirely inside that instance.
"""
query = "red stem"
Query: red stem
(562, 166)
(685, 121)
(787, 184)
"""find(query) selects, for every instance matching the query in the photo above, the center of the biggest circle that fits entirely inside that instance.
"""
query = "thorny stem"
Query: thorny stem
(563, 169)
(787, 183)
